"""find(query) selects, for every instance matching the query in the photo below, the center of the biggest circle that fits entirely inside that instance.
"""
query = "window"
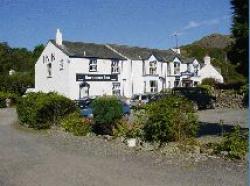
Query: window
(49, 70)
(61, 65)
(93, 65)
(176, 68)
(52, 58)
(152, 67)
(115, 66)
(116, 89)
(153, 86)
(196, 69)
(168, 69)
(176, 83)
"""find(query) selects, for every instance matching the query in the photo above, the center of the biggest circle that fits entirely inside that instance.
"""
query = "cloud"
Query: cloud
(192, 24)
(195, 24)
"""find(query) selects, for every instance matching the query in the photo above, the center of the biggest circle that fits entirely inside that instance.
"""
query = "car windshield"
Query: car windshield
(143, 97)
(135, 97)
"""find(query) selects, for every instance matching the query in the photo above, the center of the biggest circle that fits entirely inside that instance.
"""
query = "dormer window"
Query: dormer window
(152, 67)
(49, 70)
(92, 65)
(176, 68)
(115, 66)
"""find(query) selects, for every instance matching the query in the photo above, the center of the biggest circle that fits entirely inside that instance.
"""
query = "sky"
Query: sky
(145, 23)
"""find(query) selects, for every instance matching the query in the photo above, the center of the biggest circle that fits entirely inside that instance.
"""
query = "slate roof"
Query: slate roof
(188, 60)
(138, 53)
(80, 49)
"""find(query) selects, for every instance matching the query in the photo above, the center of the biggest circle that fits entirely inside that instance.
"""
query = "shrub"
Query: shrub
(170, 119)
(76, 124)
(4, 96)
(126, 129)
(41, 110)
(107, 110)
(235, 143)
(209, 81)
(209, 88)
(245, 91)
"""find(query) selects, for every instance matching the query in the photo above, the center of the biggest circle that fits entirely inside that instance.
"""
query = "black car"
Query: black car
(198, 95)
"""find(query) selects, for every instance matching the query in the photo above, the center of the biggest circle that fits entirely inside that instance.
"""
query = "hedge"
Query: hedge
(41, 110)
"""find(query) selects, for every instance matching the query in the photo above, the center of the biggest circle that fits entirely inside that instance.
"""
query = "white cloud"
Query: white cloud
(192, 24)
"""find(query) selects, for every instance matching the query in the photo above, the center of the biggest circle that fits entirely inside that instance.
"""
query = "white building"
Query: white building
(77, 69)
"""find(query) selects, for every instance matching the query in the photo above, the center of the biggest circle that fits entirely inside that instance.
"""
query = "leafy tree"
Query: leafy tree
(239, 50)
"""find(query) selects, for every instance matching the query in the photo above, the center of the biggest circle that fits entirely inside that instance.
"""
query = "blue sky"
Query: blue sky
(148, 23)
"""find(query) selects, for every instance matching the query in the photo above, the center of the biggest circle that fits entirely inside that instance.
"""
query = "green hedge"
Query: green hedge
(41, 110)
(107, 110)
(170, 119)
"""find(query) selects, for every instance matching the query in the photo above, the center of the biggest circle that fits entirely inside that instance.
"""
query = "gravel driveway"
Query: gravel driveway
(32, 158)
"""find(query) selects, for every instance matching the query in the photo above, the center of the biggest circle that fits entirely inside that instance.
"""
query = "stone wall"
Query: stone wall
(228, 99)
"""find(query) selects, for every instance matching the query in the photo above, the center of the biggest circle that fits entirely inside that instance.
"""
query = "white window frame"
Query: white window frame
(168, 69)
(154, 88)
(61, 63)
(116, 88)
(92, 65)
(49, 70)
(177, 68)
(152, 67)
(115, 67)
(52, 57)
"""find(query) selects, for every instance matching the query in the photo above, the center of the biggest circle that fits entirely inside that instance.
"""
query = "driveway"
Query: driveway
(32, 158)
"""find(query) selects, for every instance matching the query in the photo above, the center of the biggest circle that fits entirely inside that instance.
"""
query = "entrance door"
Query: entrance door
(83, 90)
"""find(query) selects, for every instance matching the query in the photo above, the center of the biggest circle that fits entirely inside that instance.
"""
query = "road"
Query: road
(35, 158)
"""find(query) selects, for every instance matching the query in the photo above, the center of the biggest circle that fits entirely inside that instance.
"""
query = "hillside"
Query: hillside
(214, 41)
(217, 47)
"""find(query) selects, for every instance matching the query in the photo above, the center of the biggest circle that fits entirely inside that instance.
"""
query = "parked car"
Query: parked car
(138, 100)
(86, 109)
(199, 96)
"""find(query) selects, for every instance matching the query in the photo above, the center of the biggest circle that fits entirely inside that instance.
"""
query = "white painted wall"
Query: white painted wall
(208, 71)
(59, 81)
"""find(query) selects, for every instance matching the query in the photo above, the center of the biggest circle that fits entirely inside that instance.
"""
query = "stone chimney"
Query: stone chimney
(207, 60)
(58, 37)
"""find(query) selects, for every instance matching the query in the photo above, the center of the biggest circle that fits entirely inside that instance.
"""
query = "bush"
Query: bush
(245, 91)
(107, 110)
(170, 119)
(126, 129)
(41, 110)
(209, 88)
(76, 124)
(235, 143)
(4, 96)
(209, 81)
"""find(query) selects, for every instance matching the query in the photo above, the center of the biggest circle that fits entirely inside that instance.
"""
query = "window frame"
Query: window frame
(177, 69)
(91, 65)
(153, 89)
(49, 70)
(153, 68)
(115, 67)
(116, 89)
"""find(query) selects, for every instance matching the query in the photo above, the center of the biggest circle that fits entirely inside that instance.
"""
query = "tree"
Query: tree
(239, 49)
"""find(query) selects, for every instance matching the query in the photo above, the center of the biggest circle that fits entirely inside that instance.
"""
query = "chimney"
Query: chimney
(58, 37)
(207, 60)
